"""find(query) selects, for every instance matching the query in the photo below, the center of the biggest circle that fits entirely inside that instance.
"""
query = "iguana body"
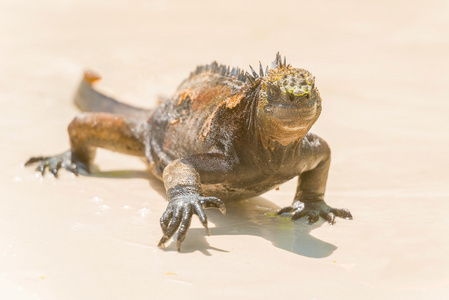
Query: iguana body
(225, 134)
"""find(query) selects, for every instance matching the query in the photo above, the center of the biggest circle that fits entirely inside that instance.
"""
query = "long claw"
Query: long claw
(298, 214)
(162, 242)
(54, 167)
(41, 169)
(285, 210)
(198, 210)
(54, 172)
(206, 227)
(174, 223)
(185, 224)
(331, 218)
(298, 211)
(312, 216)
(165, 219)
(32, 160)
(72, 168)
(342, 213)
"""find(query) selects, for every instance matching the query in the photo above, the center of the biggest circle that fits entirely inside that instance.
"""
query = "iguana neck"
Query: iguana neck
(272, 137)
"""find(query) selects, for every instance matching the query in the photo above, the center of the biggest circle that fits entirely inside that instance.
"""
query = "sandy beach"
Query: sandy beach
(382, 69)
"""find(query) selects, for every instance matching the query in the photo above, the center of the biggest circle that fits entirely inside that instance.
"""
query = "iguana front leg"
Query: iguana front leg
(182, 179)
(309, 197)
(88, 131)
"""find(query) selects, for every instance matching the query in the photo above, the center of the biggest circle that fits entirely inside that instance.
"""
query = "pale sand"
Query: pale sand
(382, 69)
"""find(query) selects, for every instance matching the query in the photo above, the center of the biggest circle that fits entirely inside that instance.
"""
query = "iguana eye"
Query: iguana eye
(273, 92)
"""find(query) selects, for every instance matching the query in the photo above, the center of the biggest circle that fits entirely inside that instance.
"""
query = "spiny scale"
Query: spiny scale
(237, 73)
(254, 72)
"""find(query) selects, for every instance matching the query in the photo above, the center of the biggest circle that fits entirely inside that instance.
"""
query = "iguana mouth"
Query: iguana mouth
(291, 111)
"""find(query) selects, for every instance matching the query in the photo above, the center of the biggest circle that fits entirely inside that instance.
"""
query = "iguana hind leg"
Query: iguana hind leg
(88, 131)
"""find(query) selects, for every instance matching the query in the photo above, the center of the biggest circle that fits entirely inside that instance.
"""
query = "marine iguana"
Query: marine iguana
(225, 134)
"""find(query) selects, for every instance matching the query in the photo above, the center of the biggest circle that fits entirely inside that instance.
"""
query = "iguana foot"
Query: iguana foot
(313, 210)
(54, 163)
(178, 215)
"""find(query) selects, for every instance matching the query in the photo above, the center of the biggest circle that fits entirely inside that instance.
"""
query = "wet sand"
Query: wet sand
(382, 69)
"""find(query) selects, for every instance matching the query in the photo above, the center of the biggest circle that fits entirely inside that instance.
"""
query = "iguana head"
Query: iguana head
(289, 102)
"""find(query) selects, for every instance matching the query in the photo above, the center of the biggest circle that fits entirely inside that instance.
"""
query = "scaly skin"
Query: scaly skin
(225, 134)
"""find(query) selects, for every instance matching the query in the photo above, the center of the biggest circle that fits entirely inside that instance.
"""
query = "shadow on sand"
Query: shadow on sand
(255, 216)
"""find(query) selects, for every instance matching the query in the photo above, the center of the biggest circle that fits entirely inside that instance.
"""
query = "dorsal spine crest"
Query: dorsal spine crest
(237, 73)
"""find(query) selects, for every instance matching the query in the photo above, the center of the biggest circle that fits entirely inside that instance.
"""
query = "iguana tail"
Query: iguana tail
(88, 99)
